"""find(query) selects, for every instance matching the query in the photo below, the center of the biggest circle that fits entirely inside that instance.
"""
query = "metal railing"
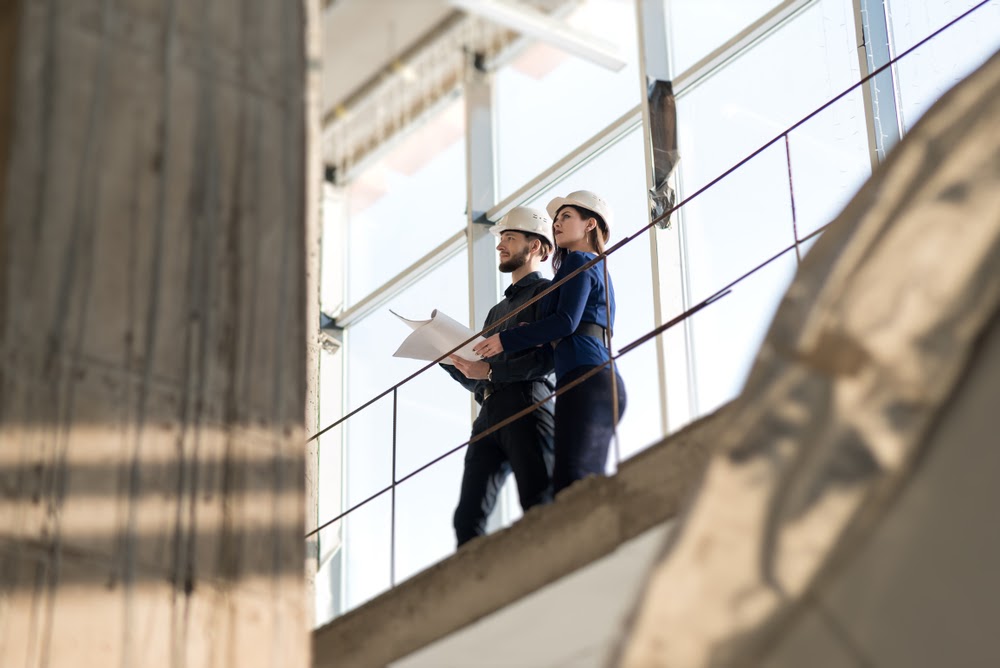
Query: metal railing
(601, 257)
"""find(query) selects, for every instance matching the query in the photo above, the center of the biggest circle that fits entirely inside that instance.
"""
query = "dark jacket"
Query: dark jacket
(531, 364)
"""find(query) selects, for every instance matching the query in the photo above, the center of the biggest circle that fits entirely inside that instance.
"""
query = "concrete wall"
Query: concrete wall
(153, 332)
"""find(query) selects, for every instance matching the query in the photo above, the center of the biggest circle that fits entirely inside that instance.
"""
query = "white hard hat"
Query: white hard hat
(526, 219)
(582, 198)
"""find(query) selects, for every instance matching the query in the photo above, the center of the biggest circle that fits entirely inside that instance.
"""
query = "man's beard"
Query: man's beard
(515, 262)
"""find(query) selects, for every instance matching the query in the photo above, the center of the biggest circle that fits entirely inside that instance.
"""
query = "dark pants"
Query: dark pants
(584, 425)
(524, 447)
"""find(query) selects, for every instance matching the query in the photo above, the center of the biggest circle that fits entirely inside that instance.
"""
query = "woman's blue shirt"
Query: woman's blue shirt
(581, 299)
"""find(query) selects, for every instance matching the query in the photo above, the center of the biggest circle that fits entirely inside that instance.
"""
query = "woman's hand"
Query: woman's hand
(471, 370)
(489, 347)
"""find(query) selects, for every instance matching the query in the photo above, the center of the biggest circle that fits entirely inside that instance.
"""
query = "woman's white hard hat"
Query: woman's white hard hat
(582, 198)
(526, 219)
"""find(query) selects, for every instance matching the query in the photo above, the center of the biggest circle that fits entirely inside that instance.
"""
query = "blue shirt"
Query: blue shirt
(581, 299)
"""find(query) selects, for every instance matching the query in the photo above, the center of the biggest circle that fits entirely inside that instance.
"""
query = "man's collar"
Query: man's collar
(531, 278)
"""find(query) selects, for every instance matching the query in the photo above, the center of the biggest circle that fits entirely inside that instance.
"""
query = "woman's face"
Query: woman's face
(571, 230)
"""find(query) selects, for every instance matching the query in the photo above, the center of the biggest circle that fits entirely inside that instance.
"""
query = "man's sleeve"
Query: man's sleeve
(467, 383)
(532, 364)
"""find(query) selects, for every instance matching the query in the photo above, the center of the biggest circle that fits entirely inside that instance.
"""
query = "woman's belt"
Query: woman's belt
(588, 329)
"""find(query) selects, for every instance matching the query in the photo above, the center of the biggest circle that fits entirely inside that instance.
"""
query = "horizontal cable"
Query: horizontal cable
(655, 221)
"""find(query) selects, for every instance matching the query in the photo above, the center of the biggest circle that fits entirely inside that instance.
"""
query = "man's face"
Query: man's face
(514, 249)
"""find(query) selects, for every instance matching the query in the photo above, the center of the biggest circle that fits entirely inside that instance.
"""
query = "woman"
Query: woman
(575, 322)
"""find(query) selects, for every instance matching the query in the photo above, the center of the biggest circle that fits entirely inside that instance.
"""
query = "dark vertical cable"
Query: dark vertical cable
(791, 194)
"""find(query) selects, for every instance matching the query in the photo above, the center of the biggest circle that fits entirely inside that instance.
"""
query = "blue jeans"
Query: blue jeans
(584, 425)
(524, 448)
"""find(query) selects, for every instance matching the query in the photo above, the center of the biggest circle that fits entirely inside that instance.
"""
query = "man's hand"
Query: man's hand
(471, 370)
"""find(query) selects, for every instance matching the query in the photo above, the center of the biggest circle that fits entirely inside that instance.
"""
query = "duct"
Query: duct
(853, 401)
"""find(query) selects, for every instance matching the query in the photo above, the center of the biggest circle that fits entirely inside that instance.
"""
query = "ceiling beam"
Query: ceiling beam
(531, 22)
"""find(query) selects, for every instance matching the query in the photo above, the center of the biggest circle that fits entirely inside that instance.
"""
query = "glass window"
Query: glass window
(432, 415)
(425, 505)
(728, 231)
(696, 28)
(407, 203)
(808, 61)
(549, 101)
(737, 223)
(928, 72)
(747, 217)
(830, 160)
(727, 335)
(367, 554)
(618, 175)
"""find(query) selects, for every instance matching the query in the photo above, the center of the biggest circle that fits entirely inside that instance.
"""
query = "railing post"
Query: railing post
(791, 195)
(392, 537)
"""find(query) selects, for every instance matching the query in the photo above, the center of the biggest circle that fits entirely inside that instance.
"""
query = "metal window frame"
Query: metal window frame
(684, 82)
(653, 45)
(404, 279)
(477, 160)
(881, 94)
(655, 63)
(593, 146)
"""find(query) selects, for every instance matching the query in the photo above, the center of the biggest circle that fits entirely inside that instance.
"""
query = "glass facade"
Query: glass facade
(696, 28)
(549, 101)
(407, 203)
(749, 229)
(925, 74)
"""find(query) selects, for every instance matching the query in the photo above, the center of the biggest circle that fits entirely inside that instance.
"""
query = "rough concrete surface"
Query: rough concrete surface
(152, 333)
(869, 351)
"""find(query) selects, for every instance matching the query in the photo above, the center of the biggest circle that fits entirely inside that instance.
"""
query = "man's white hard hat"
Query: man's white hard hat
(582, 198)
(526, 219)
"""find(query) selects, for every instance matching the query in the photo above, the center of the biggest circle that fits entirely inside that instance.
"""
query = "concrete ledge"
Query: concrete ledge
(588, 521)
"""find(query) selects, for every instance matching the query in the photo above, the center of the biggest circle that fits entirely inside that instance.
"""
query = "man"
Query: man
(507, 383)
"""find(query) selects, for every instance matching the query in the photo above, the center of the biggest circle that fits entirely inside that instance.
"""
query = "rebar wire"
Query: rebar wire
(663, 216)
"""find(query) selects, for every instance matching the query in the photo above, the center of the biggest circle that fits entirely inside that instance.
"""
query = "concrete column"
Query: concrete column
(153, 332)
